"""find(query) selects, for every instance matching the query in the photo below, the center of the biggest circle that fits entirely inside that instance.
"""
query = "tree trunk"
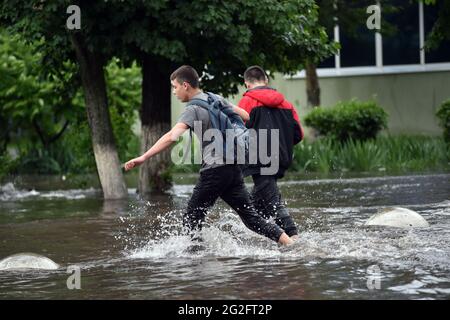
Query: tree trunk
(105, 151)
(155, 119)
(312, 85)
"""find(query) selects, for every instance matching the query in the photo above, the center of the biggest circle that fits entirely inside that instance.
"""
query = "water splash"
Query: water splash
(225, 235)
(9, 192)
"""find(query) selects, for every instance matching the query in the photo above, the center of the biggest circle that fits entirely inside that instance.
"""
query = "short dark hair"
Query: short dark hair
(255, 74)
(186, 74)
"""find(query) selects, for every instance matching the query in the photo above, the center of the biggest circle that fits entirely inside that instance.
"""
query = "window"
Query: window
(441, 54)
(358, 50)
(403, 45)
(398, 51)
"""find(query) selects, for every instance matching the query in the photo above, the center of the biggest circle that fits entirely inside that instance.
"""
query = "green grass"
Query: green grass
(400, 154)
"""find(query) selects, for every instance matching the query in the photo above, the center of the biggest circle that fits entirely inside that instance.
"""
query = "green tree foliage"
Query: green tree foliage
(43, 116)
(219, 38)
(35, 107)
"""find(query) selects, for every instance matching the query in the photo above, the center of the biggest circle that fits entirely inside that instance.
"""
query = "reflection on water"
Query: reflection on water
(133, 248)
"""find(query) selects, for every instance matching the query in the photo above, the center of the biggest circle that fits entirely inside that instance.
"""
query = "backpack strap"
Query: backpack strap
(198, 102)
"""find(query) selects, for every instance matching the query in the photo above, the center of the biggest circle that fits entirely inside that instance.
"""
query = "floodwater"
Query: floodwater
(133, 249)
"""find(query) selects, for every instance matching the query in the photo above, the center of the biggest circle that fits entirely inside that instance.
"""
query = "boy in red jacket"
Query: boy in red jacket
(269, 110)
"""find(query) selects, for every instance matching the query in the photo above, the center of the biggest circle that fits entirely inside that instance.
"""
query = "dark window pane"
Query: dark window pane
(442, 53)
(358, 50)
(403, 45)
(327, 63)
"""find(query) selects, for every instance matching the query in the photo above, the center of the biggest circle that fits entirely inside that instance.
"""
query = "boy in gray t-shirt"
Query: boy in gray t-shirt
(216, 179)
(197, 119)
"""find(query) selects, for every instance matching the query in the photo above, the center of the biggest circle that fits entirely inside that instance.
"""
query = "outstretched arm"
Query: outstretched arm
(162, 144)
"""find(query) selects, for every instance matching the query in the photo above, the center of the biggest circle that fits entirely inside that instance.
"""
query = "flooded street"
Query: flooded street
(133, 249)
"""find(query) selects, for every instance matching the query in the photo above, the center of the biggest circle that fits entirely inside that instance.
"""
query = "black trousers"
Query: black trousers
(227, 183)
(266, 198)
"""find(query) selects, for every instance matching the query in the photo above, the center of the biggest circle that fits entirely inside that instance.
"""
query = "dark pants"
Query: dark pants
(227, 183)
(267, 201)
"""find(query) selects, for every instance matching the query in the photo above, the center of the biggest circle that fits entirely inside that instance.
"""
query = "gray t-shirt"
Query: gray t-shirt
(197, 117)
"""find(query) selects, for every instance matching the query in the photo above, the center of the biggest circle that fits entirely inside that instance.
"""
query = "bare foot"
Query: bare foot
(285, 240)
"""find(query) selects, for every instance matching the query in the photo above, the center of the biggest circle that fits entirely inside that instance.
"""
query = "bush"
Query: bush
(353, 120)
(443, 114)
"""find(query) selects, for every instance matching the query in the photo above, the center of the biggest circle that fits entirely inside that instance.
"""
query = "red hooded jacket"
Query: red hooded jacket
(268, 109)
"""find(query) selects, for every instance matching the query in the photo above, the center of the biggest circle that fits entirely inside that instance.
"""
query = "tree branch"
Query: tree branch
(58, 135)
